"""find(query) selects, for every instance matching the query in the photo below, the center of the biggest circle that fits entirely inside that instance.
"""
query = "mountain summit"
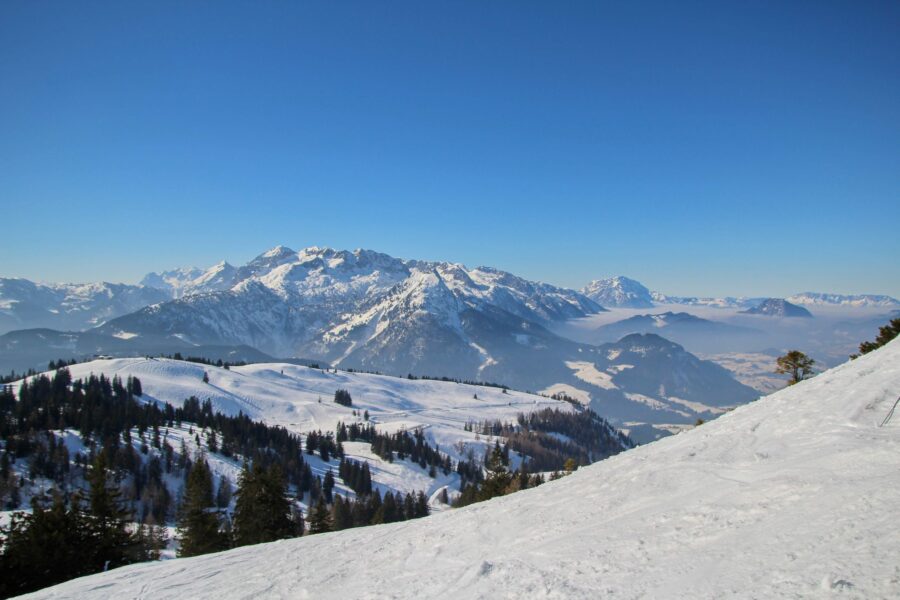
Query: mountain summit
(620, 292)
(777, 307)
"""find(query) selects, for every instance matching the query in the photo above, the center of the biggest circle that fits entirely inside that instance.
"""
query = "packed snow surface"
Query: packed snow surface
(794, 495)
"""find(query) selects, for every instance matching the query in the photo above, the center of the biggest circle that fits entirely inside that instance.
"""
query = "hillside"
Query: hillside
(791, 496)
(300, 399)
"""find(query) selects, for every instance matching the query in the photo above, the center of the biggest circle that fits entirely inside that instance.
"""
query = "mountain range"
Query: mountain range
(366, 310)
(369, 311)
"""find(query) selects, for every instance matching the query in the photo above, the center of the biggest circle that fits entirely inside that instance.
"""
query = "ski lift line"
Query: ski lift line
(890, 414)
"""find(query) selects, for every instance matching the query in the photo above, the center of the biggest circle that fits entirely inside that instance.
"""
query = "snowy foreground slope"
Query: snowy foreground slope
(794, 495)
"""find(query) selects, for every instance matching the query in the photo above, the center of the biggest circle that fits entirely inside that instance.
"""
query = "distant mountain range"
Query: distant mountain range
(858, 300)
(725, 302)
(776, 307)
(370, 311)
(25, 304)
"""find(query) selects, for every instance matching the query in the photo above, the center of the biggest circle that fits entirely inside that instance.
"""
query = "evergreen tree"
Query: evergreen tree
(320, 518)
(111, 544)
(498, 478)
(199, 528)
(885, 335)
(343, 398)
(262, 511)
(223, 492)
(328, 486)
(43, 548)
(341, 515)
(422, 509)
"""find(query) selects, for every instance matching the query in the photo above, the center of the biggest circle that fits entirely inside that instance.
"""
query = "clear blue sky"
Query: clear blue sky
(703, 148)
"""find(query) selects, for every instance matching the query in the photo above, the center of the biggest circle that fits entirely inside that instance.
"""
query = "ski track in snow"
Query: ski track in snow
(792, 496)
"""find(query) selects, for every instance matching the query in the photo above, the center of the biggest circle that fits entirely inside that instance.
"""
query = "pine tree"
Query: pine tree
(320, 518)
(341, 515)
(223, 492)
(262, 511)
(885, 335)
(498, 478)
(422, 509)
(199, 529)
(111, 544)
(328, 486)
(43, 548)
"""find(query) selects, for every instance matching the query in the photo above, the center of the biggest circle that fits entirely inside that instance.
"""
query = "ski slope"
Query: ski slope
(794, 495)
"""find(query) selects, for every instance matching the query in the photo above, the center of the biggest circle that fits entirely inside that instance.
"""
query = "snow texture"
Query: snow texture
(792, 496)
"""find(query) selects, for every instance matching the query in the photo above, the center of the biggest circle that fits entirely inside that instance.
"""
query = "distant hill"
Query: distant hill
(777, 307)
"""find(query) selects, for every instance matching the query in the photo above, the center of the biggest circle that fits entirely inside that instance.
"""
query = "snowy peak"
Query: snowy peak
(619, 292)
(857, 300)
(276, 253)
(25, 304)
(724, 302)
(191, 280)
(777, 307)
(172, 280)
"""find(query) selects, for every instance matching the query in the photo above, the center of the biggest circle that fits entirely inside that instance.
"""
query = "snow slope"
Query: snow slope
(791, 496)
(301, 399)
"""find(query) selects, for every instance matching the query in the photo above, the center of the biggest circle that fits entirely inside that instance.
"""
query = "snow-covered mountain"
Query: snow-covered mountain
(335, 301)
(777, 307)
(361, 308)
(191, 280)
(856, 300)
(619, 292)
(369, 311)
(724, 302)
(25, 304)
(793, 496)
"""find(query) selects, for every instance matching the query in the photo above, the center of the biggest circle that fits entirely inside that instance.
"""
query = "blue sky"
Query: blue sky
(700, 148)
